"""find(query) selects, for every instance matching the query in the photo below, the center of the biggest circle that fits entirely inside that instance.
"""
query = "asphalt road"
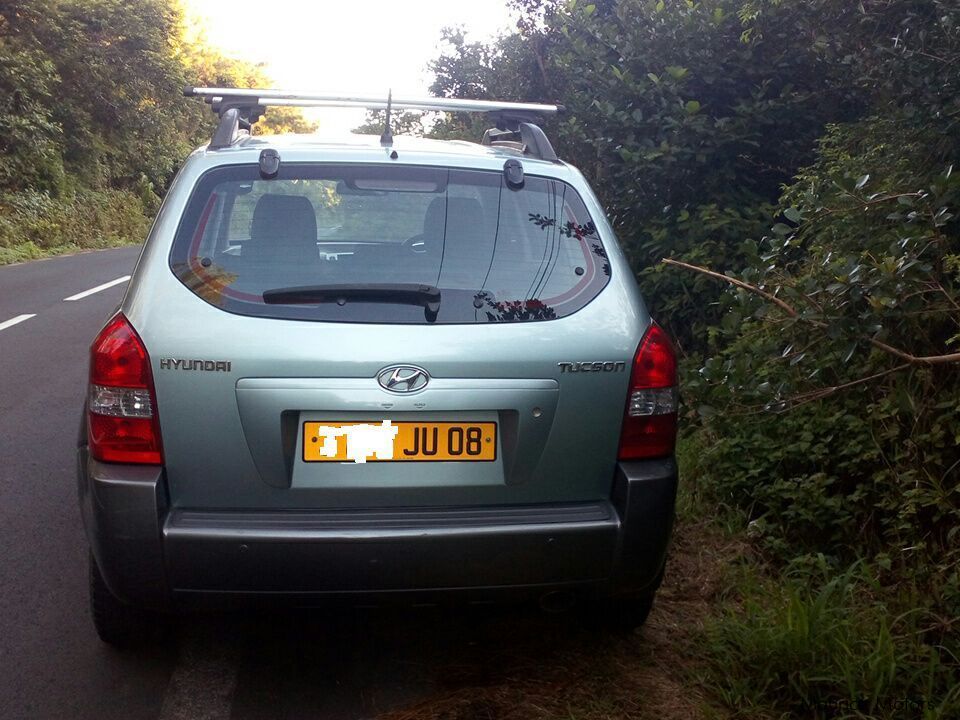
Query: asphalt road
(322, 664)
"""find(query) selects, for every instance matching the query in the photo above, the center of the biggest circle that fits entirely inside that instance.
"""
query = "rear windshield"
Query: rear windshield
(388, 244)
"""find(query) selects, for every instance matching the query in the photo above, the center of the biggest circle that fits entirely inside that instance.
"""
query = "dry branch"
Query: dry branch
(792, 312)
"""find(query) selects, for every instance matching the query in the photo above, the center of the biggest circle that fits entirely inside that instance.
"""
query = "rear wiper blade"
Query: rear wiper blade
(426, 296)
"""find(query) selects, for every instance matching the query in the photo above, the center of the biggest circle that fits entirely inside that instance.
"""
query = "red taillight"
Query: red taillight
(122, 422)
(650, 419)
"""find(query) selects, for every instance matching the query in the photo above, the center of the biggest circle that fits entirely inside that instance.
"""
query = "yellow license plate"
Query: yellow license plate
(387, 441)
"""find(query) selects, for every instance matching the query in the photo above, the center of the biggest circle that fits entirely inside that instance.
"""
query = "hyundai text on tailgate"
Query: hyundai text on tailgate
(377, 366)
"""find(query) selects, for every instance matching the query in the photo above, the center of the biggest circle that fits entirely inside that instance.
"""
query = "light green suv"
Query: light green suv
(377, 368)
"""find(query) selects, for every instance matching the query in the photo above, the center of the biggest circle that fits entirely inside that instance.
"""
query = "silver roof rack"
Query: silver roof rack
(239, 108)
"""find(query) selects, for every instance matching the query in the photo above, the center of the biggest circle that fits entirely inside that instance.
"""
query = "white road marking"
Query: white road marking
(13, 321)
(98, 288)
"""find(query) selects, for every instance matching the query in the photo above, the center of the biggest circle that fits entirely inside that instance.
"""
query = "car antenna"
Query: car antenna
(387, 137)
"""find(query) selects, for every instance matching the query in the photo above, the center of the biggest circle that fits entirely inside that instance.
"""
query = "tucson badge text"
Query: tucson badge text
(597, 366)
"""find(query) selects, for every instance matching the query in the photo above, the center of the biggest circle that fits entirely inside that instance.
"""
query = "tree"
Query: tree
(505, 70)
(402, 123)
(29, 135)
(279, 120)
(93, 123)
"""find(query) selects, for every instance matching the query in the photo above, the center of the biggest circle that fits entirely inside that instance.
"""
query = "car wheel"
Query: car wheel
(117, 623)
(627, 614)
(620, 615)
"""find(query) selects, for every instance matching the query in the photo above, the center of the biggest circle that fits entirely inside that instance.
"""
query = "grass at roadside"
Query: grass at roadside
(816, 639)
(825, 644)
(29, 251)
(34, 225)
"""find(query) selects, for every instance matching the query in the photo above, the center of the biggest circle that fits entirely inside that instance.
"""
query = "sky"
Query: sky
(344, 46)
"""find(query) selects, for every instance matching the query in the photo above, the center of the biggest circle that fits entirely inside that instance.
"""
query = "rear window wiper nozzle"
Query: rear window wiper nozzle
(426, 296)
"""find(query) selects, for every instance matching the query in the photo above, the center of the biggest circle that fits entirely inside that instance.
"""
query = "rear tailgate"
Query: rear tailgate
(235, 439)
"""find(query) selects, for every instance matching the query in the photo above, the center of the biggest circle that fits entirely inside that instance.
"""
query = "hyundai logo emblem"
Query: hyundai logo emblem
(403, 378)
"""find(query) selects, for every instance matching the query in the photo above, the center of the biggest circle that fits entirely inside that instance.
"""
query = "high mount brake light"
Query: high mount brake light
(122, 422)
(650, 419)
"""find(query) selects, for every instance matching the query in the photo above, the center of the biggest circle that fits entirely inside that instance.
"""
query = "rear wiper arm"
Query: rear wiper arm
(426, 296)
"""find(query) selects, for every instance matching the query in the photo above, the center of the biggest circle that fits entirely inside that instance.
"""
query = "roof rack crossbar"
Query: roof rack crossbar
(263, 96)
(248, 104)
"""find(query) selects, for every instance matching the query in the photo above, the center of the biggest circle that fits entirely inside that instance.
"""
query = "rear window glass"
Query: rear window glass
(388, 244)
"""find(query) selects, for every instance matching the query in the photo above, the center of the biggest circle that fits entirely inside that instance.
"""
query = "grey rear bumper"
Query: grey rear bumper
(150, 555)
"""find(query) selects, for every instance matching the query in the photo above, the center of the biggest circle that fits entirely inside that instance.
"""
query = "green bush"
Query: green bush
(33, 224)
(830, 427)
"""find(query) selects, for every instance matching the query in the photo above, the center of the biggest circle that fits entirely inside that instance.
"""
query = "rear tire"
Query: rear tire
(620, 615)
(627, 614)
(117, 623)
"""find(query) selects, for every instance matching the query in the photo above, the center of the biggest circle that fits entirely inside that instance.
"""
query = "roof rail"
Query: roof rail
(239, 108)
